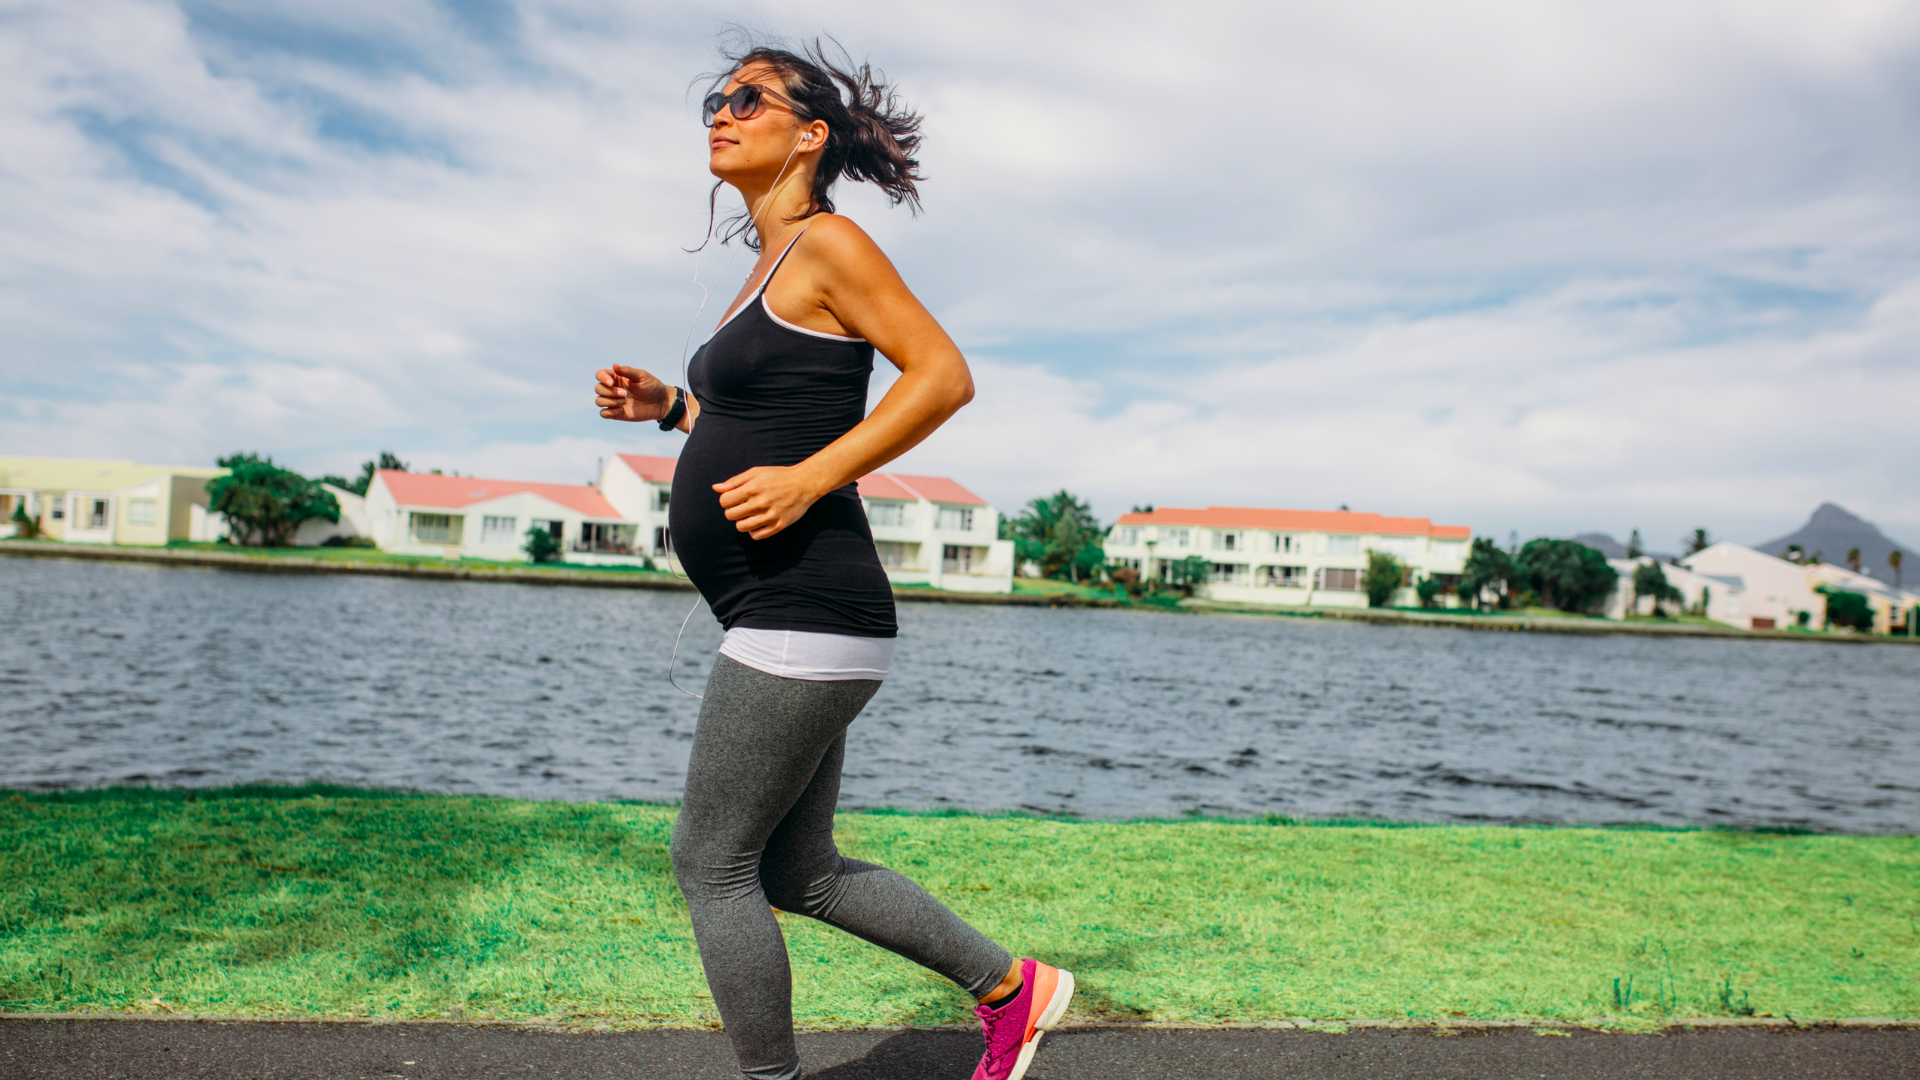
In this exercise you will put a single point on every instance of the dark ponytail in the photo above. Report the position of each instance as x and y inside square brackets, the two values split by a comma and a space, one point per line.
[871, 135]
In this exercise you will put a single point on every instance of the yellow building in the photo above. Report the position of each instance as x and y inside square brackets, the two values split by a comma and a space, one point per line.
[108, 502]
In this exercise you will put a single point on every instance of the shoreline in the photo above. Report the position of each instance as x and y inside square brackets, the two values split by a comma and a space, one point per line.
[562, 575]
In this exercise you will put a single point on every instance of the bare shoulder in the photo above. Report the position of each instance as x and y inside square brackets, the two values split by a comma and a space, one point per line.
[843, 248]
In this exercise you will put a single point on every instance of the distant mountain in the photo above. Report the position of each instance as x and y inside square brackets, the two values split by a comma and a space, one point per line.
[1831, 531]
[1611, 548]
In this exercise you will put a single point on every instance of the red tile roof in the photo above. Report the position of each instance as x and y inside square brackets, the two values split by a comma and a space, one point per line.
[904, 486]
[453, 492]
[1328, 521]
[657, 469]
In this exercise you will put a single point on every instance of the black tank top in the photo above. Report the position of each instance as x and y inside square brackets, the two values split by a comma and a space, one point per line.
[771, 393]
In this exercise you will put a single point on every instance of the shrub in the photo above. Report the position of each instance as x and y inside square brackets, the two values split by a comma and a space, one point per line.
[540, 546]
[1848, 609]
[25, 526]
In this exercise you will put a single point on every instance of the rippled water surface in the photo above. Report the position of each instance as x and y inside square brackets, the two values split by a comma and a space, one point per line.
[117, 674]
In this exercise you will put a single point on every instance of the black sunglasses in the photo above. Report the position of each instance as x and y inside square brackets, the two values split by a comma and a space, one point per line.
[744, 103]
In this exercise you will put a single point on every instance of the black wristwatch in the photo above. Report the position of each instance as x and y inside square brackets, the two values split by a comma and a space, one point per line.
[676, 411]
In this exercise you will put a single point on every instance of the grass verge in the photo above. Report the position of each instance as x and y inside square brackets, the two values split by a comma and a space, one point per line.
[323, 901]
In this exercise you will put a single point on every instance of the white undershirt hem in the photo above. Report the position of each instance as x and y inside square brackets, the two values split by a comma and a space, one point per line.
[804, 654]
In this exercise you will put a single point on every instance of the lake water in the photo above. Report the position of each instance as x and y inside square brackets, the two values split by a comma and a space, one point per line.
[129, 674]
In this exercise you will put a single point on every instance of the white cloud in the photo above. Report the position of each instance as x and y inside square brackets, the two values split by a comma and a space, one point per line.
[1548, 266]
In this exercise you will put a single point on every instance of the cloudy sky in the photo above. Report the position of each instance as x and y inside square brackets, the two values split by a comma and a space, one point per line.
[1524, 266]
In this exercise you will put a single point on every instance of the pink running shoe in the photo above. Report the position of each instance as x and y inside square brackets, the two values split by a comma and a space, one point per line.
[1013, 1030]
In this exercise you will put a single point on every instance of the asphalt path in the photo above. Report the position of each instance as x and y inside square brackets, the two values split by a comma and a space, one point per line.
[33, 1049]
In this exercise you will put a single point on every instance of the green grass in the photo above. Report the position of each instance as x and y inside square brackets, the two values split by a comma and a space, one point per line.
[335, 902]
[1025, 586]
[375, 555]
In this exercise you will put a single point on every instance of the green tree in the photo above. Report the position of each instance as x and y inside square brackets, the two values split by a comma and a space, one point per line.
[1489, 569]
[1794, 553]
[359, 484]
[1635, 548]
[1060, 533]
[1429, 590]
[1696, 541]
[1894, 559]
[540, 546]
[1567, 574]
[1848, 609]
[265, 503]
[1383, 575]
[1853, 559]
[1651, 581]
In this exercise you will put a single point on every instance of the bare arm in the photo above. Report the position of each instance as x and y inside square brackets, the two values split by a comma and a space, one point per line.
[624, 393]
[858, 285]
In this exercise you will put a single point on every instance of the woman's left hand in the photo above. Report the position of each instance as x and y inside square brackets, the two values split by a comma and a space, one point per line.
[766, 499]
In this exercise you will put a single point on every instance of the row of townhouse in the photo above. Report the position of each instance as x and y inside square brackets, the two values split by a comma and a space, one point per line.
[928, 530]
[83, 501]
[1287, 557]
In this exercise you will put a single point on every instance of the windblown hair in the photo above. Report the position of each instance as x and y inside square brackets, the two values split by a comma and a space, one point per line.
[871, 135]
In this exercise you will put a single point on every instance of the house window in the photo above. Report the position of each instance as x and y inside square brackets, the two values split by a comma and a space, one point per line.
[1343, 545]
[96, 513]
[1226, 541]
[893, 555]
[1287, 577]
[886, 512]
[1287, 545]
[143, 511]
[553, 528]
[499, 530]
[956, 519]
[1400, 547]
[60, 509]
[1449, 550]
[435, 529]
[955, 559]
[662, 541]
[1224, 573]
[1126, 537]
[1174, 537]
[660, 497]
[1336, 580]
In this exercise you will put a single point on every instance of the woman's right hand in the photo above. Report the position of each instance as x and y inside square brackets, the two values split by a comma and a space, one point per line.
[624, 393]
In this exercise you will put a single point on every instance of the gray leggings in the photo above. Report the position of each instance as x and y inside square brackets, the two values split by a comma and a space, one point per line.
[756, 828]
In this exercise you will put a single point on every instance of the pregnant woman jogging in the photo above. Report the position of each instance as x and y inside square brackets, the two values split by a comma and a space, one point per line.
[767, 523]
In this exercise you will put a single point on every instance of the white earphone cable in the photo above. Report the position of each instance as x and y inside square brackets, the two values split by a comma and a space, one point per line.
[706, 295]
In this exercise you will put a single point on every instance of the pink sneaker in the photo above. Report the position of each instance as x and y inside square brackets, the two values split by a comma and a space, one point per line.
[1013, 1030]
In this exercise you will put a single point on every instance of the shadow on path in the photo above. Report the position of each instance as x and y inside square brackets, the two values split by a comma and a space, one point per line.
[176, 1050]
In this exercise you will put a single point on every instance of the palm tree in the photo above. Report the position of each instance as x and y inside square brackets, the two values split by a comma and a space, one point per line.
[1894, 559]
[1853, 559]
[1794, 553]
[1697, 541]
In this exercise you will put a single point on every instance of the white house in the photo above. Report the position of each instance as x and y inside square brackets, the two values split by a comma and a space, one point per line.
[931, 531]
[1892, 608]
[1774, 592]
[464, 517]
[353, 522]
[1726, 594]
[640, 487]
[1287, 557]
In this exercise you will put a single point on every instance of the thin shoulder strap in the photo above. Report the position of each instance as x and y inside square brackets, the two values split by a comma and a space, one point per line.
[784, 252]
